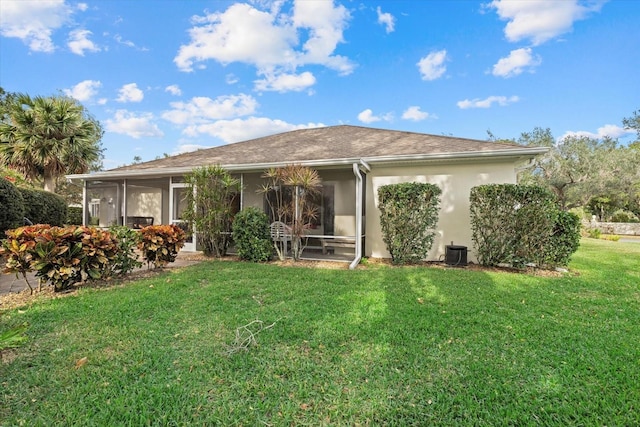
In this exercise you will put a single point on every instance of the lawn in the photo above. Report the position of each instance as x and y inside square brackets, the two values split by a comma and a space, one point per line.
[375, 346]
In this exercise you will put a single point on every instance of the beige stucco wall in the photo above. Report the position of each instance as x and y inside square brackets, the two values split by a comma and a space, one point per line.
[455, 181]
[145, 202]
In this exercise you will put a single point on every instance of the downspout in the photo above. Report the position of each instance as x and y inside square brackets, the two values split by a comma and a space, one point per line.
[358, 257]
[241, 191]
[124, 202]
[85, 213]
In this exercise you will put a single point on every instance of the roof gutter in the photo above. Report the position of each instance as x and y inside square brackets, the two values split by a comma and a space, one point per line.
[409, 158]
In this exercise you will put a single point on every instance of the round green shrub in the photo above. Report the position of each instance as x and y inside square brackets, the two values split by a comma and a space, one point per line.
[408, 216]
[251, 235]
[565, 239]
[34, 205]
[43, 207]
[11, 207]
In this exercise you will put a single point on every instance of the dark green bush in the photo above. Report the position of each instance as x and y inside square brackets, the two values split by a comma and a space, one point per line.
[408, 215]
[11, 207]
[515, 224]
[55, 209]
[251, 235]
[565, 239]
[35, 208]
[126, 258]
[74, 215]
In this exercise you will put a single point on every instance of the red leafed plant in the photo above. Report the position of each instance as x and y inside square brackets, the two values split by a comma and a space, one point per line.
[60, 255]
[19, 248]
[160, 244]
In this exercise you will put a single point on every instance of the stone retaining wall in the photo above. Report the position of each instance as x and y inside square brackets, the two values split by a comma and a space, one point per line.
[620, 228]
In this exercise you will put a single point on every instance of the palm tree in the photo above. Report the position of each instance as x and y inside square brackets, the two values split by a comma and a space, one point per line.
[47, 137]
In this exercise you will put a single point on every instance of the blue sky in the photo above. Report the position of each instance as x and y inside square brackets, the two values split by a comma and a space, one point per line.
[169, 76]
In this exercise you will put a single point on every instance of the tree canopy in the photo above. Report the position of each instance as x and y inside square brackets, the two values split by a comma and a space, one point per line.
[580, 169]
[47, 137]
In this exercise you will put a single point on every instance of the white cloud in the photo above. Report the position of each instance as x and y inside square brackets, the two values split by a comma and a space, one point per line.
[173, 90]
[118, 38]
[271, 40]
[231, 79]
[541, 20]
[34, 22]
[286, 82]
[244, 129]
[136, 126]
[386, 19]
[518, 61]
[79, 42]
[414, 113]
[82, 7]
[432, 66]
[610, 131]
[84, 91]
[367, 116]
[203, 109]
[130, 93]
[487, 102]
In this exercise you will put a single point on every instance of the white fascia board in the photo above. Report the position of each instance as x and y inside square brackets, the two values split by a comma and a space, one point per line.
[465, 155]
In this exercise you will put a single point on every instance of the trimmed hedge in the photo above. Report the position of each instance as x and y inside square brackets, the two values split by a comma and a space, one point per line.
[43, 207]
[521, 224]
[11, 207]
[565, 239]
[252, 236]
[408, 215]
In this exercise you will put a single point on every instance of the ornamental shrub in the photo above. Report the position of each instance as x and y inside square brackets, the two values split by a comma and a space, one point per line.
[11, 207]
[252, 236]
[126, 258]
[408, 215]
[60, 255]
[211, 200]
[160, 244]
[565, 239]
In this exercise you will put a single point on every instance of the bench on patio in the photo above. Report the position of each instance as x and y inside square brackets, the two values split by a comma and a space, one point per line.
[336, 242]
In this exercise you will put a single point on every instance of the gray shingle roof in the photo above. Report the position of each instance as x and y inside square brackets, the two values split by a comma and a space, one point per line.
[324, 144]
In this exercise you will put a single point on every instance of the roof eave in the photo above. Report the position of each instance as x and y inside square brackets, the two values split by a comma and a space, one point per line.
[525, 152]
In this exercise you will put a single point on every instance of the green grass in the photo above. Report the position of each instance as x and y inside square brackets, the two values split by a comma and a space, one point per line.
[381, 346]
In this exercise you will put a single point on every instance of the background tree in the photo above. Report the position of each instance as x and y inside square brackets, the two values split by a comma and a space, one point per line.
[47, 137]
[633, 122]
[577, 167]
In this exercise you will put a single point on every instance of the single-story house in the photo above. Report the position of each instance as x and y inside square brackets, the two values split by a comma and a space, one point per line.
[353, 163]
